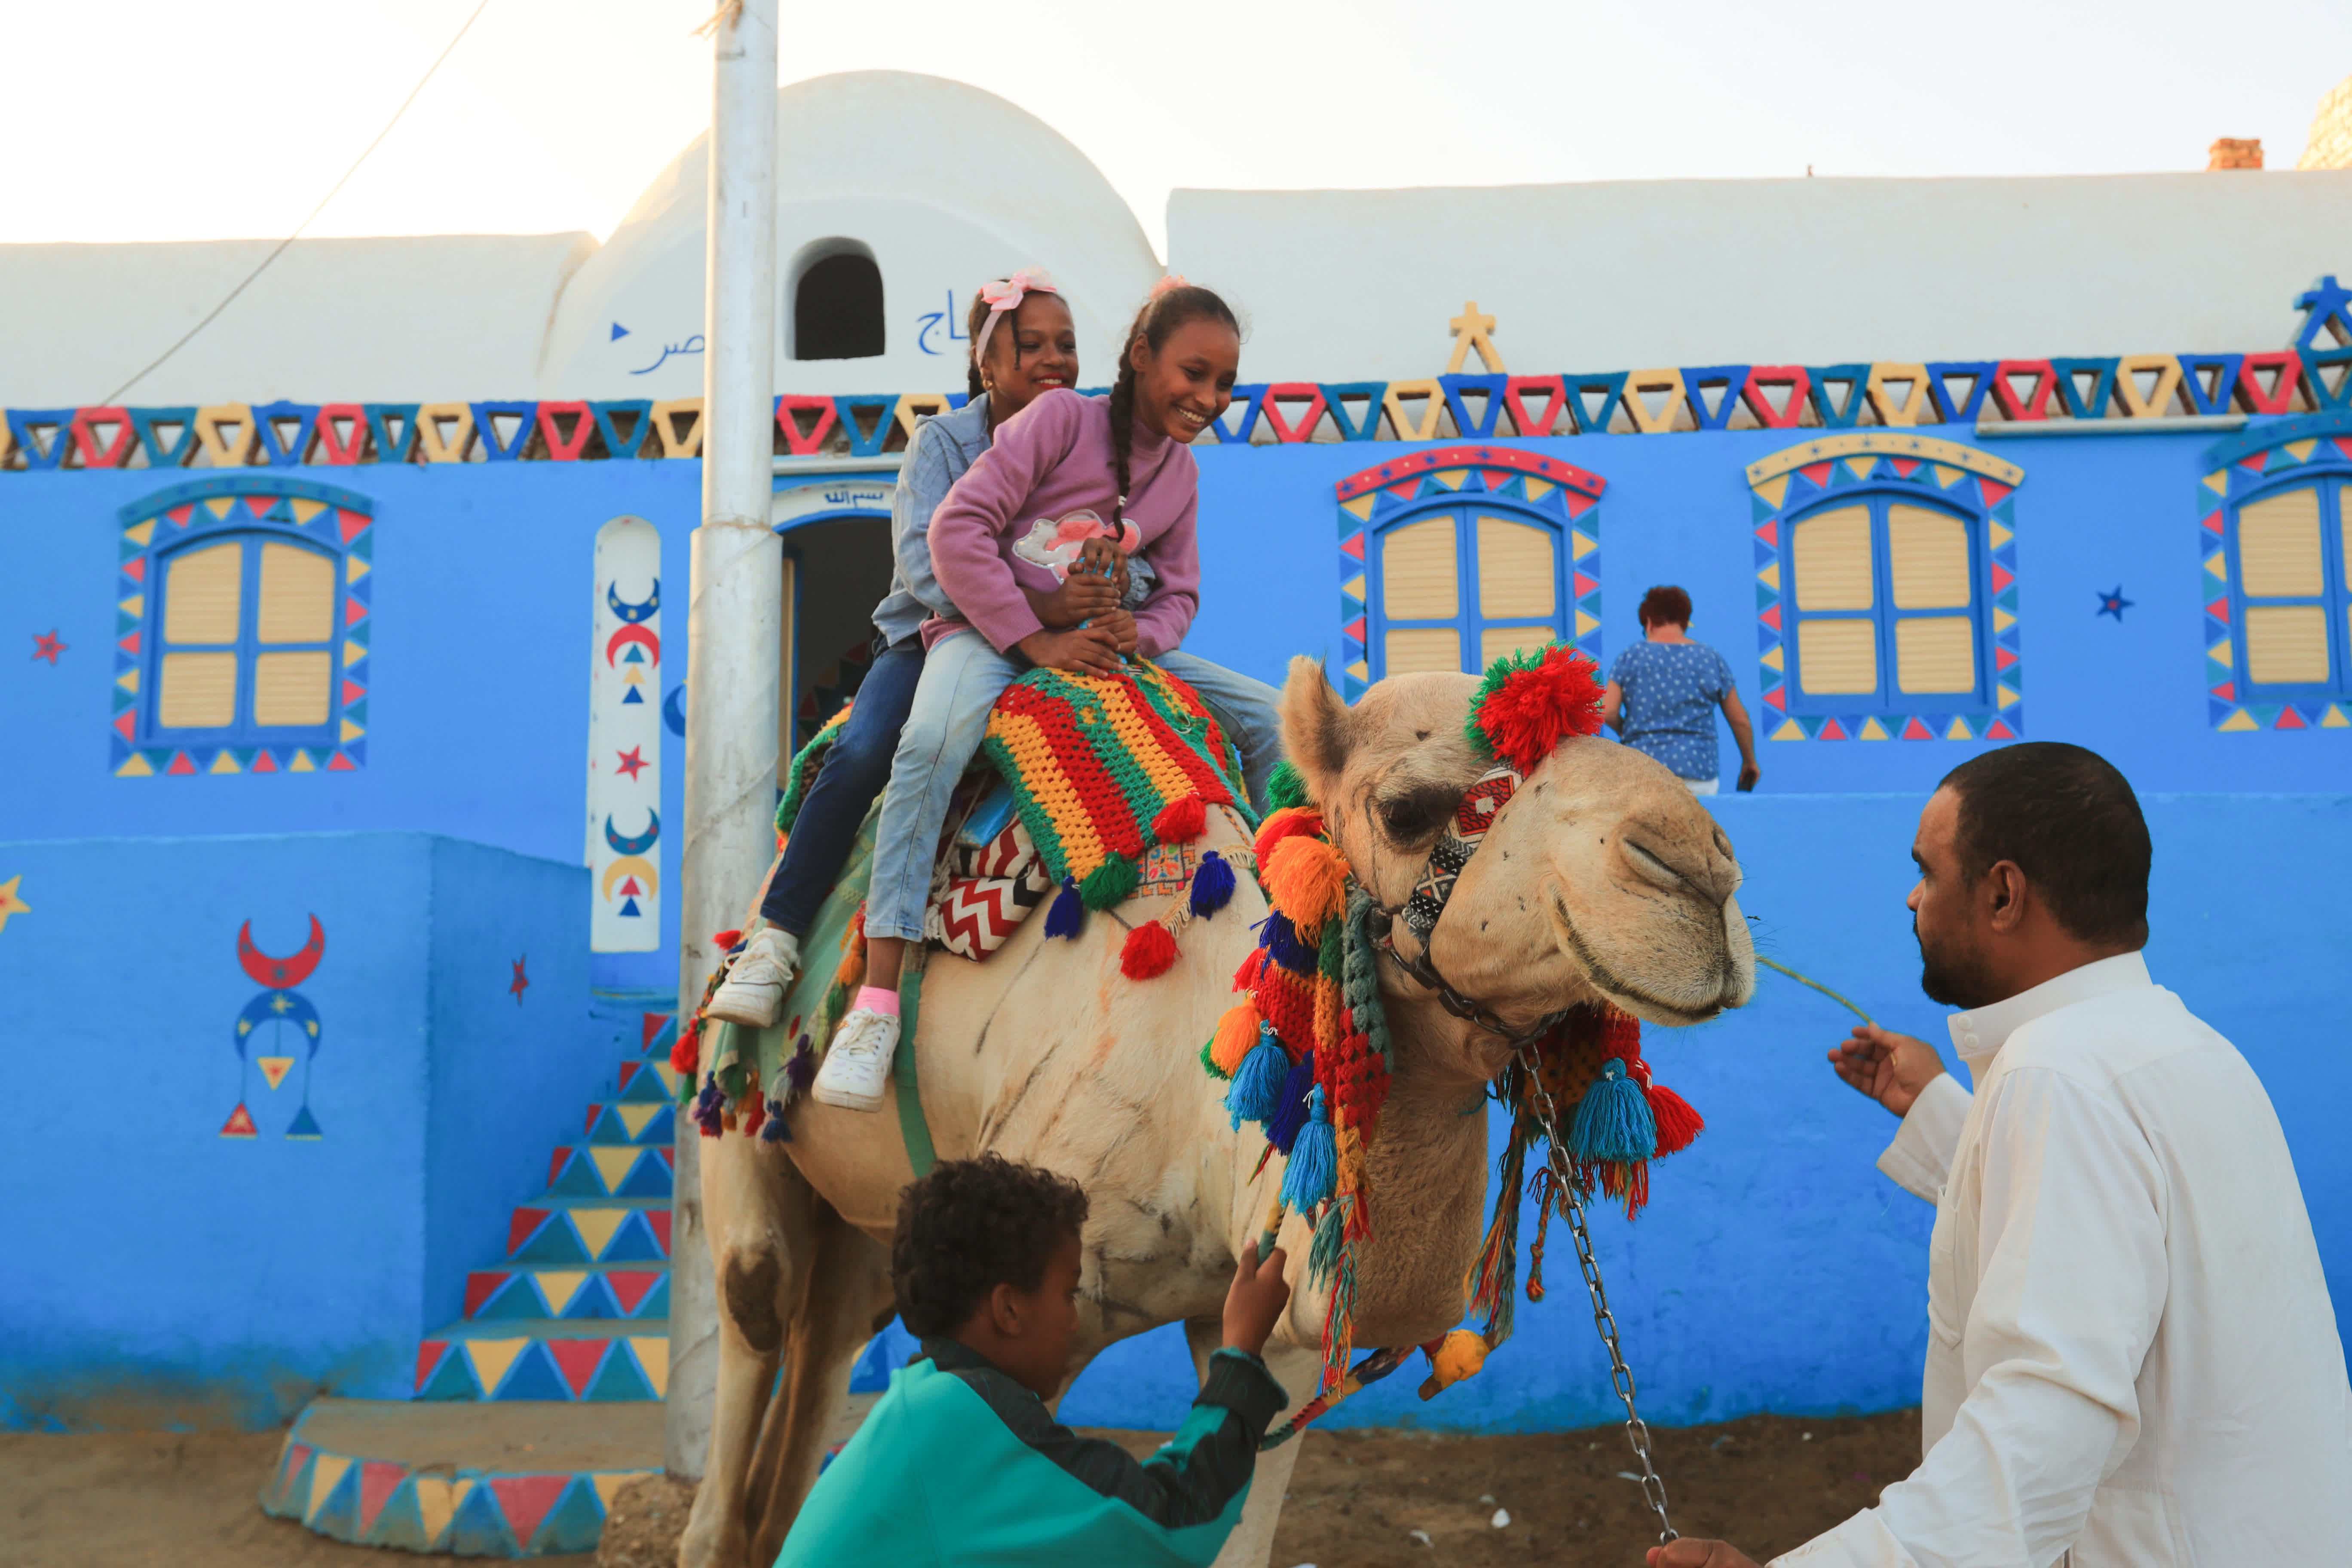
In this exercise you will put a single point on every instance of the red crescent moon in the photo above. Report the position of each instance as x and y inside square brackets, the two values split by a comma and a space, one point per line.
[633, 634]
[280, 973]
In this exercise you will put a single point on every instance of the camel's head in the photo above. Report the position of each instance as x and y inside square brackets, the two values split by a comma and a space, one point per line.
[1601, 877]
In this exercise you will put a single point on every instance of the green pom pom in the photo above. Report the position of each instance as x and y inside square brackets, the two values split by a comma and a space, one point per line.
[1284, 787]
[1109, 884]
[1500, 671]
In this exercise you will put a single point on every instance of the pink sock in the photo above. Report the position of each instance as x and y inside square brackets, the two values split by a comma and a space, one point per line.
[877, 1000]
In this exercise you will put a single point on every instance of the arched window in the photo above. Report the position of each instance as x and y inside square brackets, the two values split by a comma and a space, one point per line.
[2290, 549]
[837, 302]
[1460, 586]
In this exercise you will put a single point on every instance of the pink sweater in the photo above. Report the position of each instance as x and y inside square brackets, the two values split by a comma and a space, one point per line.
[1019, 515]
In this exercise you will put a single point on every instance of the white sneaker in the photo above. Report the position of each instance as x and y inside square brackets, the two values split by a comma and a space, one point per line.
[753, 992]
[857, 1063]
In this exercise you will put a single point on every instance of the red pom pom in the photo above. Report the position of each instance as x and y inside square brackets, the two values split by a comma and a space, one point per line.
[1182, 820]
[755, 1112]
[1290, 819]
[684, 1054]
[1678, 1123]
[1245, 977]
[1529, 708]
[1148, 951]
[726, 939]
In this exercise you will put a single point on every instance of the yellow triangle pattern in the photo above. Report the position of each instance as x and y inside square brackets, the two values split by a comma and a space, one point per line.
[143, 534]
[1958, 731]
[1774, 491]
[637, 1118]
[1362, 506]
[2220, 653]
[353, 653]
[1354, 585]
[1775, 659]
[1580, 545]
[2002, 619]
[559, 1286]
[304, 511]
[613, 1165]
[134, 766]
[2007, 698]
[608, 1484]
[1360, 671]
[1770, 577]
[1584, 624]
[491, 1358]
[1537, 489]
[129, 680]
[437, 1501]
[1997, 533]
[2301, 451]
[301, 763]
[1860, 467]
[1872, 729]
[353, 568]
[1790, 730]
[2334, 719]
[352, 732]
[219, 505]
[653, 1354]
[596, 1227]
[1945, 478]
[324, 1476]
[670, 1077]
[1452, 478]
[2238, 723]
[2218, 483]
[133, 606]
[225, 764]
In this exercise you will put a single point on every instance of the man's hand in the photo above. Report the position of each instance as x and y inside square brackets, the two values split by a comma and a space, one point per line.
[1891, 1068]
[1087, 651]
[1255, 1303]
[1699, 1554]
[1081, 598]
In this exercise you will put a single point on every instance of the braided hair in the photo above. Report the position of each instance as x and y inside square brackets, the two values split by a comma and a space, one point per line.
[974, 320]
[1161, 316]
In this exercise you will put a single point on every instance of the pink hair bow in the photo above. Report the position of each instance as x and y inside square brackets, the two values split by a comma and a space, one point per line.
[1004, 295]
[1169, 285]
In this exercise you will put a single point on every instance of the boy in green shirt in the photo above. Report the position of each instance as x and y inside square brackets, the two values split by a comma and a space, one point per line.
[961, 1465]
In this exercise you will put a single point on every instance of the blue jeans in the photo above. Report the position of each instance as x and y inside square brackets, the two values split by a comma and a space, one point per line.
[963, 677]
[853, 773]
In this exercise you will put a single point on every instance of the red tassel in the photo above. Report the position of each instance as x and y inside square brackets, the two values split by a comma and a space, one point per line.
[1290, 819]
[1678, 1123]
[1148, 951]
[684, 1054]
[755, 1112]
[1182, 820]
[1245, 977]
[726, 939]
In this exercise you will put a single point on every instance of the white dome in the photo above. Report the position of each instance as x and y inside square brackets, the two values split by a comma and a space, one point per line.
[942, 184]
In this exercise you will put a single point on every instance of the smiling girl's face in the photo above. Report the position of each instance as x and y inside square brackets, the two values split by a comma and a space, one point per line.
[1033, 352]
[1189, 380]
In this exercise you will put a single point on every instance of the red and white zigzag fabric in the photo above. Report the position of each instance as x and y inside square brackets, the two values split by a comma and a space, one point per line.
[989, 892]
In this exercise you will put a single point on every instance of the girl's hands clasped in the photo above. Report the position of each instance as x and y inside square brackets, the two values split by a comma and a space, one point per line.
[1080, 651]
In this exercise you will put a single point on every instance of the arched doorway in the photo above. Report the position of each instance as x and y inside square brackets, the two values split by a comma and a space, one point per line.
[837, 533]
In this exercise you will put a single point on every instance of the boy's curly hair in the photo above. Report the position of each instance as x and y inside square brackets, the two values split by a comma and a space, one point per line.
[971, 1226]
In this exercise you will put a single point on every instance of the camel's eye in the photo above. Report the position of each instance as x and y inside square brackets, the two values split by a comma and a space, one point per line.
[1415, 814]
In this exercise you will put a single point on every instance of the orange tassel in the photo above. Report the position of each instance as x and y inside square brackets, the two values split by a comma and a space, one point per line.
[1283, 823]
[1307, 880]
[1236, 1033]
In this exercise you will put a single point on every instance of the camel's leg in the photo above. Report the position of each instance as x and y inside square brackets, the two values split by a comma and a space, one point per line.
[1251, 1545]
[761, 1218]
[847, 1300]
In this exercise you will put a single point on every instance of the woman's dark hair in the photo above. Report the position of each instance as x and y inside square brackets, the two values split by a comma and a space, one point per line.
[1162, 315]
[1665, 605]
[2068, 820]
[971, 1226]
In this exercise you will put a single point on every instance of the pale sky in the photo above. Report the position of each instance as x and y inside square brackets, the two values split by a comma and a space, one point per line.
[152, 120]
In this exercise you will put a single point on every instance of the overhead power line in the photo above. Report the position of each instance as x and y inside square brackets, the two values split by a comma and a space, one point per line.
[280, 249]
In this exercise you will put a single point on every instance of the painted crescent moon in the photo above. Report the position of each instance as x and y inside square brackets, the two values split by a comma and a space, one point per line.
[629, 635]
[280, 973]
[291, 1006]
[632, 614]
[631, 864]
[623, 845]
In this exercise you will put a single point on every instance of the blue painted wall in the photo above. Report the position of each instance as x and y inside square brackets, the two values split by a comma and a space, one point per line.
[1776, 1269]
[160, 1274]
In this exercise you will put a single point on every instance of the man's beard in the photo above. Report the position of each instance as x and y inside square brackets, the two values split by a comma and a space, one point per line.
[1956, 976]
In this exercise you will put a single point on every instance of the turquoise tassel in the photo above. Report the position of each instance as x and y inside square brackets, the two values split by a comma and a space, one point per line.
[1314, 1166]
[1330, 1244]
[1256, 1093]
[1613, 1123]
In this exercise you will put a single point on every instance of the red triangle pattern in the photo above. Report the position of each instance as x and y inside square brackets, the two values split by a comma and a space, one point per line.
[1994, 494]
[350, 524]
[524, 1224]
[631, 1288]
[1817, 472]
[1352, 547]
[526, 1500]
[180, 514]
[1770, 533]
[2000, 731]
[378, 1478]
[428, 1356]
[579, 1359]
[263, 762]
[2289, 719]
[1832, 732]
[480, 1287]
[659, 1220]
[1915, 730]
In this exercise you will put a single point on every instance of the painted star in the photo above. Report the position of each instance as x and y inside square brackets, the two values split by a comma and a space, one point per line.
[2115, 604]
[522, 982]
[10, 904]
[49, 646]
[631, 762]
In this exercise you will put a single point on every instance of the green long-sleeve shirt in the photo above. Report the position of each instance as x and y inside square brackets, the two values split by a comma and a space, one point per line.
[958, 1466]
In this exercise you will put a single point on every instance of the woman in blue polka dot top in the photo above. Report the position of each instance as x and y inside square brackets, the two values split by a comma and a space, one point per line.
[1665, 690]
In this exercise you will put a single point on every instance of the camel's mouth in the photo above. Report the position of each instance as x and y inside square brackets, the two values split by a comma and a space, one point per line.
[1643, 1000]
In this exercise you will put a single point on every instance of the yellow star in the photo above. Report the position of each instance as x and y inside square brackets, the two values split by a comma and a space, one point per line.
[10, 904]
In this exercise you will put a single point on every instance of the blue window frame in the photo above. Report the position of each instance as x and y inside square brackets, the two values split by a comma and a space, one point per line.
[1453, 587]
[246, 642]
[2290, 597]
[1887, 605]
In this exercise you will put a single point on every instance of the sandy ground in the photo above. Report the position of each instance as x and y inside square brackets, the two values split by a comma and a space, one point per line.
[1356, 1500]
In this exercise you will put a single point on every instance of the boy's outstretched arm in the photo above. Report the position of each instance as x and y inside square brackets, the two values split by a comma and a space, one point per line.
[1196, 1474]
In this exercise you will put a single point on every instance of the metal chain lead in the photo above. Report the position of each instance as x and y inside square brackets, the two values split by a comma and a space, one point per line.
[1637, 1431]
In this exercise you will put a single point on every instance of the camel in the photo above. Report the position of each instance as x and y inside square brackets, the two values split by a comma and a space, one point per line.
[1601, 877]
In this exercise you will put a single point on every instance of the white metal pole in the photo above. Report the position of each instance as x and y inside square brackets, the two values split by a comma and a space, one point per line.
[732, 628]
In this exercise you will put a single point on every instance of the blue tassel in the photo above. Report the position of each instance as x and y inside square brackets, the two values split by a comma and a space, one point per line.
[1213, 884]
[1612, 1120]
[772, 1130]
[1069, 916]
[1314, 1166]
[709, 1107]
[1290, 1114]
[1280, 939]
[1257, 1091]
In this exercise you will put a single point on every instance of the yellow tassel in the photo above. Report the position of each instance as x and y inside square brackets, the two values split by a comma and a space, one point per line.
[1307, 881]
[1236, 1033]
[1461, 1354]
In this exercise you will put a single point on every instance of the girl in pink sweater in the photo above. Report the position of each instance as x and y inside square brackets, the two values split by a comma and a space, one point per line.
[1065, 470]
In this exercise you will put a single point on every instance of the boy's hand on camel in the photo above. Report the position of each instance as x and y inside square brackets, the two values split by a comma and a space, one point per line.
[1891, 1068]
[1255, 1303]
[1087, 650]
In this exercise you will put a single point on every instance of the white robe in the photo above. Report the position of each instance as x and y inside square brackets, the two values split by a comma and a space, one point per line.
[2131, 1353]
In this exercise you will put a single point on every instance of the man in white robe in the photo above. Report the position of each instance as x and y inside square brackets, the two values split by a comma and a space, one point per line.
[2132, 1358]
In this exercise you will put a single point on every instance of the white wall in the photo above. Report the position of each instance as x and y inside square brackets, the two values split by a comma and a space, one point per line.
[1342, 285]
